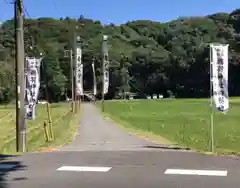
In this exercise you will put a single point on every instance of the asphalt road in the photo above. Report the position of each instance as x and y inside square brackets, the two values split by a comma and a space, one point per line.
[117, 160]
[129, 169]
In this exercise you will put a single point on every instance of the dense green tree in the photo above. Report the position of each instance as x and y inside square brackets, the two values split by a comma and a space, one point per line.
[53, 80]
[7, 80]
[146, 57]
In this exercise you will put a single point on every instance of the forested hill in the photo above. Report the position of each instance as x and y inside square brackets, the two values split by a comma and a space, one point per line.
[146, 57]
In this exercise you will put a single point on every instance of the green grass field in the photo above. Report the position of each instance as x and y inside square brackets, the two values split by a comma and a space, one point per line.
[182, 122]
[64, 127]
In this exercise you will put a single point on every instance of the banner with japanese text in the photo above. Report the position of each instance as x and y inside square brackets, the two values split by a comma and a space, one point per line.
[105, 65]
[32, 78]
[79, 72]
[220, 76]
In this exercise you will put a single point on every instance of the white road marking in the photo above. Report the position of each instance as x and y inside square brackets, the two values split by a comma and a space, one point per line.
[84, 169]
[7, 166]
[196, 172]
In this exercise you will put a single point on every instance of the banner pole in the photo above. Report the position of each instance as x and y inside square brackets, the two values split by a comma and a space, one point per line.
[103, 87]
[211, 101]
[212, 128]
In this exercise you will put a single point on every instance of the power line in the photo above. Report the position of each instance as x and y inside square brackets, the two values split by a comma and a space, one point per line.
[28, 30]
[25, 10]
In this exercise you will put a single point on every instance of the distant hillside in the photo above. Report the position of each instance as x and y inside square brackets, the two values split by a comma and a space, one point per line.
[161, 57]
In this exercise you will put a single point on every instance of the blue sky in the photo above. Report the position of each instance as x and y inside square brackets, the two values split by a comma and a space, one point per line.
[120, 11]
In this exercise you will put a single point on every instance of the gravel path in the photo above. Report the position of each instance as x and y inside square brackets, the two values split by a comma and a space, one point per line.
[97, 133]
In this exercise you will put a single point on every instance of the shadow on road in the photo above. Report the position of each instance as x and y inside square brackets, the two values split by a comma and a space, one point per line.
[8, 164]
[167, 147]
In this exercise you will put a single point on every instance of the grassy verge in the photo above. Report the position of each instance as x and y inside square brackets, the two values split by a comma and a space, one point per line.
[185, 122]
[148, 135]
[64, 127]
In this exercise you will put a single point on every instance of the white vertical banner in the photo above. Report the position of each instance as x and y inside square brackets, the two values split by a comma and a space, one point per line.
[32, 78]
[220, 76]
[79, 72]
[105, 64]
[94, 80]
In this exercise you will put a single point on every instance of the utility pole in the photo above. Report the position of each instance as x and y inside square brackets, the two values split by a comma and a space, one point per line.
[126, 88]
[72, 78]
[125, 78]
[71, 74]
[20, 78]
[74, 70]
[122, 75]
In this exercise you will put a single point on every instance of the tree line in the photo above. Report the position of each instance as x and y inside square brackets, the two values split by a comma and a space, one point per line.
[146, 57]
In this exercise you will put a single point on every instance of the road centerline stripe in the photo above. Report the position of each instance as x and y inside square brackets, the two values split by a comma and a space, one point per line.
[195, 172]
[84, 169]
